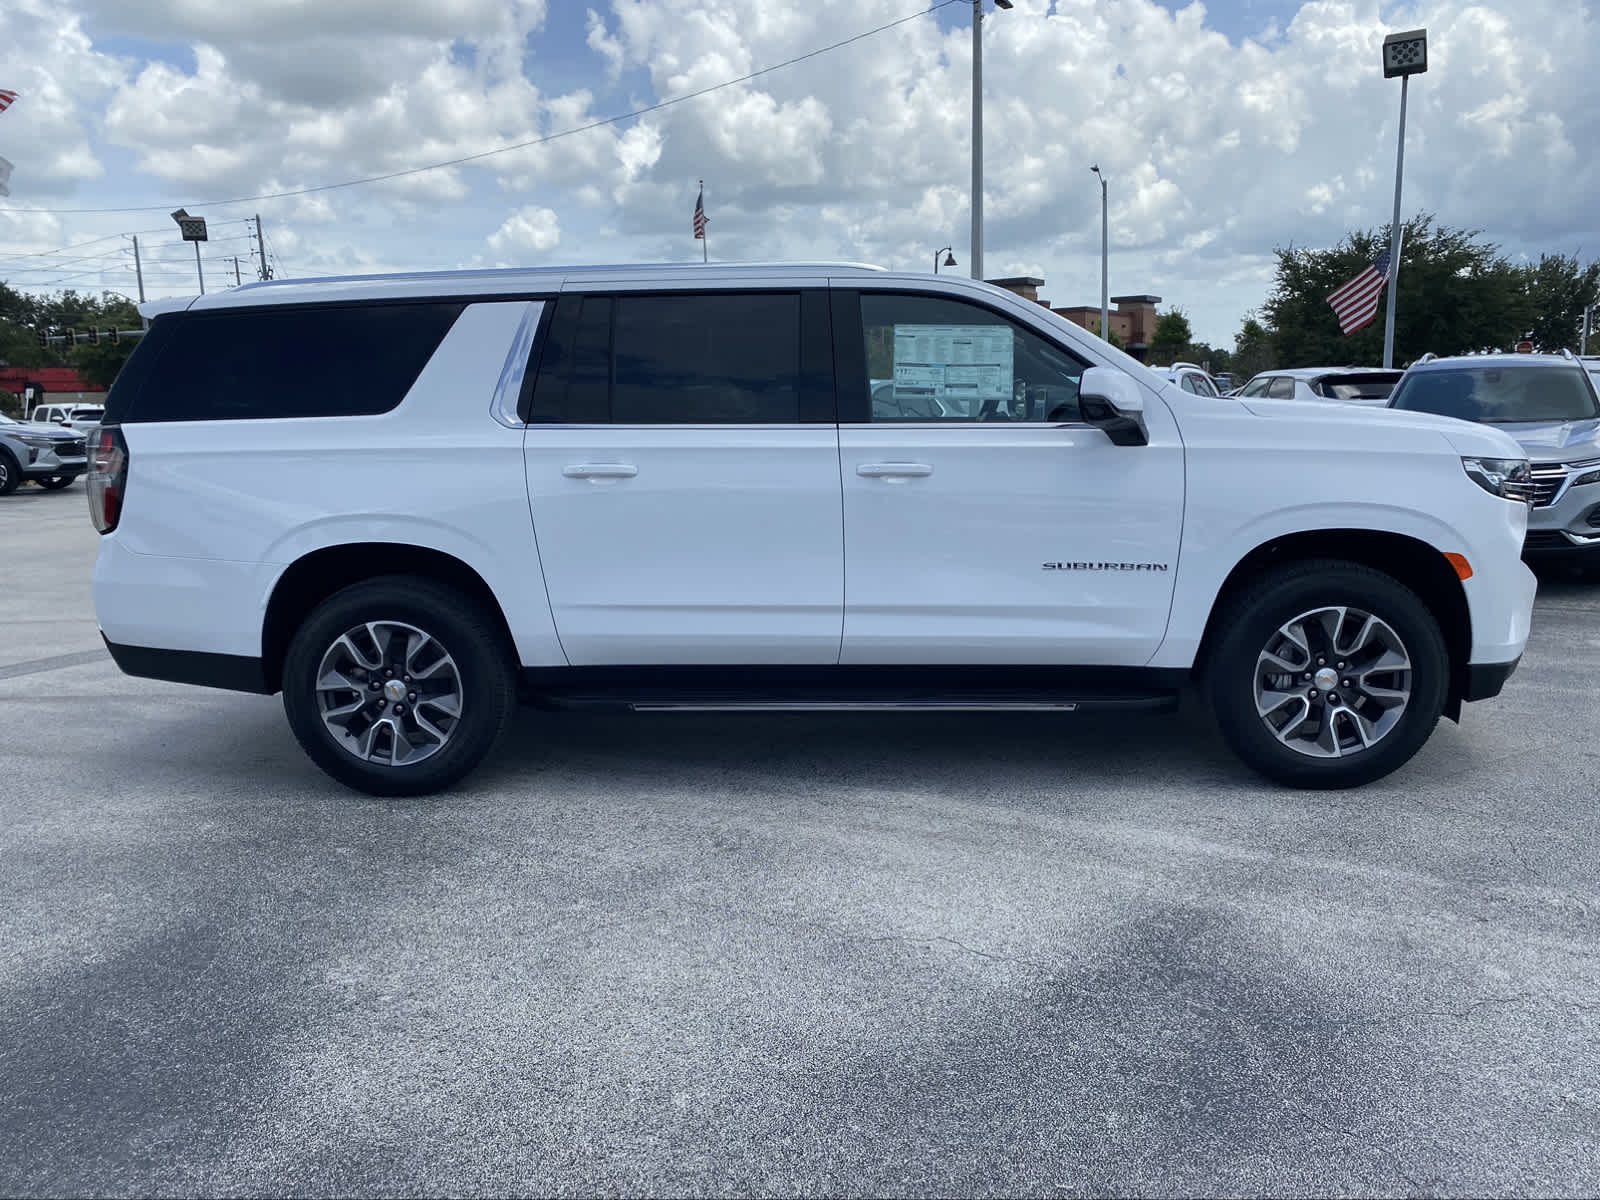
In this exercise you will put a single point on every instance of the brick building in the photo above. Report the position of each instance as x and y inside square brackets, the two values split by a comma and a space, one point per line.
[1133, 318]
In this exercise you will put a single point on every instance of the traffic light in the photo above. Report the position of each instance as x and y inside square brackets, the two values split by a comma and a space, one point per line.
[44, 337]
[70, 338]
[116, 336]
[94, 335]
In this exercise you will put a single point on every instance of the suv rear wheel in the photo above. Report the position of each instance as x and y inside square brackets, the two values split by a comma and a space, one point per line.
[1329, 675]
[10, 473]
[398, 686]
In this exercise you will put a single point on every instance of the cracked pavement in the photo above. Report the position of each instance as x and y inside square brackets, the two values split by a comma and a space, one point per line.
[699, 955]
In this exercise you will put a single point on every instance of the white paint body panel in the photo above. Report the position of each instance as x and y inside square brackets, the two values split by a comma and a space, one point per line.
[722, 546]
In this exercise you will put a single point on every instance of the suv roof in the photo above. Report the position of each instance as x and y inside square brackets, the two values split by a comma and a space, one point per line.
[490, 282]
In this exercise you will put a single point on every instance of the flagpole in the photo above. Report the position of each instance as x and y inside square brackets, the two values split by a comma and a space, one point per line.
[1394, 231]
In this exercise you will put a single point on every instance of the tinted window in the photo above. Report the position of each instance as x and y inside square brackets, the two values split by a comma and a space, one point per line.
[1498, 395]
[1281, 388]
[322, 361]
[932, 359]
[706, 360]
[1356, 387]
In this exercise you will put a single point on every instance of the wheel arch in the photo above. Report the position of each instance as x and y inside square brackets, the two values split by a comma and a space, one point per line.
[1416, 564]
[315, 576]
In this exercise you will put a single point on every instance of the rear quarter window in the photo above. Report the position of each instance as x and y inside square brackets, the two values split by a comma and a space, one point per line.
[249, 363]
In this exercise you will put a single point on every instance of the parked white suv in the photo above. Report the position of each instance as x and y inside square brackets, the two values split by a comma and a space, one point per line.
[406, 500]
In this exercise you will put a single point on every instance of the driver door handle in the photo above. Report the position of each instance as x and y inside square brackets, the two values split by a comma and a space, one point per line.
[600, 471]
[894, 470]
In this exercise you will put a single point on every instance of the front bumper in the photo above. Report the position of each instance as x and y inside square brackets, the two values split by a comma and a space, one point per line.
[49, 465]
[1486, 679]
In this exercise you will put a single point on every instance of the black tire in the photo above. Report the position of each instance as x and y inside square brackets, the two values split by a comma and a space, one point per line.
[1257, 613]
[54, 483]
[483, 662]
[10, 474]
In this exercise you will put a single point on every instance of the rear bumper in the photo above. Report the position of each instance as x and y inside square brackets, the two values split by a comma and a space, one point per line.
[1486, 679]
[234, 672]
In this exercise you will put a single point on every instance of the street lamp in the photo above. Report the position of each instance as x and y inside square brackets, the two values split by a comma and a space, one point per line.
[1105, 259]
[193, 229]
[949, 258]
[977, 133]
[1405, 55]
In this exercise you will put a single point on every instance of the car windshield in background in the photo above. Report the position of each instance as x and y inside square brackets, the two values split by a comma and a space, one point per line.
[1357, 387]
[1499, 395]
[87, 414]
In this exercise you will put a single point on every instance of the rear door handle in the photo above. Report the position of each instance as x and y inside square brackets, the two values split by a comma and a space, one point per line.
[600, 471]
[894, 470]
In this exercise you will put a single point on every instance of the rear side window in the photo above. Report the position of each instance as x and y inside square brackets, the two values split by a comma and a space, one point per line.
[242, 364]
[694, 359]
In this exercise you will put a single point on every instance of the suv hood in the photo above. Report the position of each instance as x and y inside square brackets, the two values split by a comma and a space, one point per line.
[1468, 438]
[1557, 441]
[43, 428]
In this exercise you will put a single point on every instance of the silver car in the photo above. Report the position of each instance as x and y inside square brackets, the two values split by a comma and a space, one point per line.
[1551, 405]
[49, 455]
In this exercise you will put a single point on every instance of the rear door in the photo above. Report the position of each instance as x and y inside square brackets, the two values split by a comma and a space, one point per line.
[985, 522]
[683, 475]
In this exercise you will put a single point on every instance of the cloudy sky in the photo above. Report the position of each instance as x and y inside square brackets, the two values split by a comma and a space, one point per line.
[1225, 129]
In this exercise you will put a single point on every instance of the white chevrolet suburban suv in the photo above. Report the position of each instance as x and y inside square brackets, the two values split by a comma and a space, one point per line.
[409, 501]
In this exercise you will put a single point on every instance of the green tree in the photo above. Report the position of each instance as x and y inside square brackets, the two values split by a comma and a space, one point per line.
[1252, 350]
[1557, 291]
[1115, 339]
[1172, 338]
[1218, 358]
[1456, 293]
[22, 316]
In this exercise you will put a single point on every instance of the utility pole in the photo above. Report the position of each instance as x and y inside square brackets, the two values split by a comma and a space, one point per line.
[1588, 326]
[236, 280]
[261, 245]
[138, 272]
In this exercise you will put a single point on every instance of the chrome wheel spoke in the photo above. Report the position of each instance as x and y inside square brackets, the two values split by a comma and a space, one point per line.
[372, 685]
[1332, 681]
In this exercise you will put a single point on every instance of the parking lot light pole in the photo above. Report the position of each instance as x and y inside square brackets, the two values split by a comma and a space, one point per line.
[1105, 260]
[193, 229]
[977, 133]
[1405, 55]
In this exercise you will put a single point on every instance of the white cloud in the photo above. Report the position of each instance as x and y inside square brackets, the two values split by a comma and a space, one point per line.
[532, 228]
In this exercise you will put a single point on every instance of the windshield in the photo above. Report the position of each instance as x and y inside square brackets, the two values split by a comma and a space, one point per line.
[87, 414]
[5, 420]
[1499, 395]
[1357, 387]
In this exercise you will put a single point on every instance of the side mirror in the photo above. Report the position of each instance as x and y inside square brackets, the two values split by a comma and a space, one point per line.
[1114, 402]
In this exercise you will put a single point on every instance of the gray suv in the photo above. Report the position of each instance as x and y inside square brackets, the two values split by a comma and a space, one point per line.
[47, 454]
[1549, 403]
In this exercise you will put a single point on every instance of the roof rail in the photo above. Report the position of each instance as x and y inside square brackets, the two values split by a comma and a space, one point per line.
[1427, 357]
[1568, 354]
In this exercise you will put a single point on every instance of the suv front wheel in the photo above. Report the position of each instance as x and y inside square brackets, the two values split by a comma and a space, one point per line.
[398, 686]
[1329, 675]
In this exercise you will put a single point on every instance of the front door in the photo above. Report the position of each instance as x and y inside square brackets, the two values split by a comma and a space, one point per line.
[984, 522]
[683, 477]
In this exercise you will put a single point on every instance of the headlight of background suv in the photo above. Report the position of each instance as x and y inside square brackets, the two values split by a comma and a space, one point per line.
[1508, 478]
[36, 441]
[1586, 478]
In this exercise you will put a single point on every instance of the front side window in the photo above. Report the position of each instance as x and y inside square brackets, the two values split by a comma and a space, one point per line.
[1281, 388]
[1499, 395]
[1256, 387]
[933, 359]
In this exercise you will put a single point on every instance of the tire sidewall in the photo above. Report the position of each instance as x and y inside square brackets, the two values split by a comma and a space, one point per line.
[487, 682]
[10, 473]
[1231, 675]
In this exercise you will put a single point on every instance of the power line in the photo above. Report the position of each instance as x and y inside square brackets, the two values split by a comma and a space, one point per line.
[538, 141]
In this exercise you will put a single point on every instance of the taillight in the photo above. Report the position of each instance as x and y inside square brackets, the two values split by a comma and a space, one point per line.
[108, 478]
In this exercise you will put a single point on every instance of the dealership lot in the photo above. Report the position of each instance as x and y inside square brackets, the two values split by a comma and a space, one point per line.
[702, 954]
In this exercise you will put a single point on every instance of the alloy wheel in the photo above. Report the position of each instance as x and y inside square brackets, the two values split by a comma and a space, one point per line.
[389, 693]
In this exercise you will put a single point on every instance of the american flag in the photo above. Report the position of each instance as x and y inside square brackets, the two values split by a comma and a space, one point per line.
[7, 98]
[700, 214]
[1356, 303]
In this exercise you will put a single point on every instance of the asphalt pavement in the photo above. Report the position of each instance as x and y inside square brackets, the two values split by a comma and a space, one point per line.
[694, 954]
